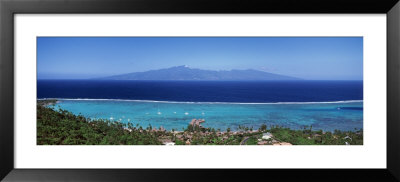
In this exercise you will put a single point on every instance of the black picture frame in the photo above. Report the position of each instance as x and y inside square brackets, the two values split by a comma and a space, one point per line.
[8, 8]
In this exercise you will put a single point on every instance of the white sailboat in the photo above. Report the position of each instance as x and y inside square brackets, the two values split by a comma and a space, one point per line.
[158, 112]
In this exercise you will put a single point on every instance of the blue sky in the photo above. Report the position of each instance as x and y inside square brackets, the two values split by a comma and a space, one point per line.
[314, 58]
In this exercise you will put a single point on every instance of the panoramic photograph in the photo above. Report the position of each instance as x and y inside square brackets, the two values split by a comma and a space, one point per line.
[276, 91]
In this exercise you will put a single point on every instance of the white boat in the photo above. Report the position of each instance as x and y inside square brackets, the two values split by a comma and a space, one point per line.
[158, 111]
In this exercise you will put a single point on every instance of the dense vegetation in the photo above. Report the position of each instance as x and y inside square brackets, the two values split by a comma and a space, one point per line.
[64, 128]
[60, 127]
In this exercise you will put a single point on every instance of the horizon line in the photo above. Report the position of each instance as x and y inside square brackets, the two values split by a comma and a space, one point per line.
[98, 79]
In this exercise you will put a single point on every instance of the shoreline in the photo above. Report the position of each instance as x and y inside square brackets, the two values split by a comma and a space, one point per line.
[100, 132]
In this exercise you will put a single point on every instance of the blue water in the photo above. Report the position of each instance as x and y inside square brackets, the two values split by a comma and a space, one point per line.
[326, 105]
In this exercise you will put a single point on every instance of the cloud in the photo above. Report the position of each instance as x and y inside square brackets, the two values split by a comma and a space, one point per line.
[263, 68]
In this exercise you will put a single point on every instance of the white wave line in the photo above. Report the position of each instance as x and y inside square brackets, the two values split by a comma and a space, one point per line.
[177, 102]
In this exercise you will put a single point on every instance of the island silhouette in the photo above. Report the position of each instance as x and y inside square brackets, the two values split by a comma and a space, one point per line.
[186, 73]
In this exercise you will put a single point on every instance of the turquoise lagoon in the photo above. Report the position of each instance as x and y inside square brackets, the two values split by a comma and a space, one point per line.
[328, 116]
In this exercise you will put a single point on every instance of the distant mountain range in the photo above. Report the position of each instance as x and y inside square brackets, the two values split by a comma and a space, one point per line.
[186, 73]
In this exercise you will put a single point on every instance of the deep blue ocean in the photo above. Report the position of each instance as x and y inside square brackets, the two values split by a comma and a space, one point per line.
[326, 105]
